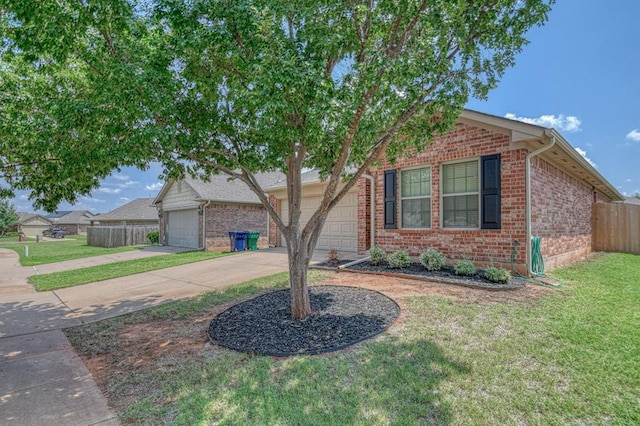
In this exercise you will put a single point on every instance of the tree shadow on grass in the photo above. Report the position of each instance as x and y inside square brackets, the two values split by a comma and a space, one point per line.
[385, 381]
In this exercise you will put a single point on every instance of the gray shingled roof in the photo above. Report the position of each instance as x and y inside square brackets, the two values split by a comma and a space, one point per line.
[25, 216]
[138, 209]
[72, 217]
[632, 200]
[221, 189]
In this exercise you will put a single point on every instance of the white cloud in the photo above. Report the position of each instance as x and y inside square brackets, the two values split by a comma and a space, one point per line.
[109, 190]
[628, 180]
[634, 135]
[129, 184]
[567, 123]
[92, 200]
[120, 176]
[584, 155]
[24, 197]
[125, 199]
[154, 186]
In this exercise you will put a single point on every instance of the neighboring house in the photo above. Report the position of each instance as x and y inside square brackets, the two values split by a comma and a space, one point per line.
[72, 221]
[199, 214]
[32, 224]
[481, 192]
[632, 200]
[139, 212]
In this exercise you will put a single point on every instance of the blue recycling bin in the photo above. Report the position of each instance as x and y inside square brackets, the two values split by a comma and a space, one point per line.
[241, 240]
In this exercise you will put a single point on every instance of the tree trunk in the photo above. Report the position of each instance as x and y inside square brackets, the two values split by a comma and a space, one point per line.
[298, 267]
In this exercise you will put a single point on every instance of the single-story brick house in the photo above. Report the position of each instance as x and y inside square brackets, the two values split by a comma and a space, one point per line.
[32, 224]
[481, 192]
[138, 212]
[72, 221]
[199, 214]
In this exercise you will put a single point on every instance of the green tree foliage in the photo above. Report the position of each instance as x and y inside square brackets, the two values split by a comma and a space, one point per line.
[8, 216]
[242, 86]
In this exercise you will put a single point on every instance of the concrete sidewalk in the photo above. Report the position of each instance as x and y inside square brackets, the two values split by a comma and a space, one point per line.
[42, 379]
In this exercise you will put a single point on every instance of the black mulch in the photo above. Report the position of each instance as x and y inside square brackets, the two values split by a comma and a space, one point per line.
[342, 317]
[446, 275]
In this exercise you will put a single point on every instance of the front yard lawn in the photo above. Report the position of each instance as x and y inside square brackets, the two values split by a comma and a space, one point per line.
[68, 248]
[457, 356]
[53, 281]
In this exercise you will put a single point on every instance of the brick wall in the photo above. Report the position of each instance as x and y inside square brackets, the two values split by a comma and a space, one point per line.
[222, 218]
[483, 246]
[560, 213]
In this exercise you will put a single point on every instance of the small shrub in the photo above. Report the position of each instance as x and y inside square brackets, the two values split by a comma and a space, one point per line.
[432, 259]
[333, 257]
[465, 267]
[378, 255]
[398, 259]
[154, 237]
[497, 275]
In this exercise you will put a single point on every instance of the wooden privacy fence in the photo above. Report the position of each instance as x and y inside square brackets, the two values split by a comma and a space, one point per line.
[118, 236]
[616, 228]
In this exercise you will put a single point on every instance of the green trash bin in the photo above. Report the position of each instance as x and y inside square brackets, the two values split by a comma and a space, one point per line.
[252, 240]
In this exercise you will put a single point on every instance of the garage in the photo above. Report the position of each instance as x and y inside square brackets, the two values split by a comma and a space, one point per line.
[341, 228]
[182, 228]
[33, 230]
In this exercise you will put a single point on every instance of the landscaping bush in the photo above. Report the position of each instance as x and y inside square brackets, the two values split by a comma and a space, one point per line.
[432, 259]
[497, 275]
[378, 255]
[333, 257]
[154, 237]
[465, 267]
[399, 259]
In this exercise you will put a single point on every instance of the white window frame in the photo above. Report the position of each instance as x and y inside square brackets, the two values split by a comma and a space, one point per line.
[460, 194]
[400, 198]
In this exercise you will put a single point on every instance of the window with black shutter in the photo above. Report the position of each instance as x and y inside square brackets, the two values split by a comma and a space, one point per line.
[490, 191]
[390, 199]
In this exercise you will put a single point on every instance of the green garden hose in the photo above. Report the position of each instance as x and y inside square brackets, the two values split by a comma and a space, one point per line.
[537, 255]
[537, 263]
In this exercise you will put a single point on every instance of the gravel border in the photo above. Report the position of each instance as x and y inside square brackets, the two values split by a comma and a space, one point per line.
[417, 271]
[342, 316]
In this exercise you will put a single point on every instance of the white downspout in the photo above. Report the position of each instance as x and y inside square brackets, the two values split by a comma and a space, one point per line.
[538, 151]
[204, 225]
[372, 207]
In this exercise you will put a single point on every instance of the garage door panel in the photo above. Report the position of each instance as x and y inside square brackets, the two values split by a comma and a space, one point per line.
[182, 229]
[341, 227]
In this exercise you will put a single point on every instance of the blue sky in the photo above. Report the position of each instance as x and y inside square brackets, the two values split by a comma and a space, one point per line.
[580, 74]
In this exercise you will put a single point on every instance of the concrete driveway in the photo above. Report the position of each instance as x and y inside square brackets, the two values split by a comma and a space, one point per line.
[43, 381]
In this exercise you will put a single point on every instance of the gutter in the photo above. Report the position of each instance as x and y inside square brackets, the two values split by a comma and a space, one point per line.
[551, 136]
[204, 224]
[372, 207]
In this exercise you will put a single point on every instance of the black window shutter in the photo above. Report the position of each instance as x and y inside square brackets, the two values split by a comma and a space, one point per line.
[390, 199]
[490, 191]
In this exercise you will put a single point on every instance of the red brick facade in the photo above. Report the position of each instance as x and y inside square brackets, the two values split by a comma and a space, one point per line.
[560, 213]
[481, 245]
[222, 218]
[561, 204]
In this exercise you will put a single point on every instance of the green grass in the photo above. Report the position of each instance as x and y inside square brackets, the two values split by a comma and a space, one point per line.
[570, 357]
[71, 247]
[53, 281]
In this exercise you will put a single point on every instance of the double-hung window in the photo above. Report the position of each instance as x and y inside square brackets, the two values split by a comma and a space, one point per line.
[415, 198]
[461, 195]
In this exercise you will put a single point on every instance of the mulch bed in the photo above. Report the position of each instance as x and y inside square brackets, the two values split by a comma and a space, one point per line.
[342, 317]
[446, 275]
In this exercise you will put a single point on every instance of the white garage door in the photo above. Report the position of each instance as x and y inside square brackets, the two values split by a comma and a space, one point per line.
[33, 230]
[341, 228]
[182, 229]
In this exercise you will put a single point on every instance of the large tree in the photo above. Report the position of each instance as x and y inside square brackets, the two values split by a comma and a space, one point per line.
[8, 216]
[244, 86]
